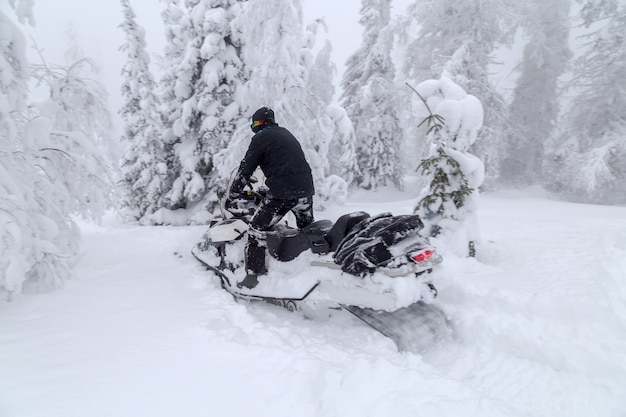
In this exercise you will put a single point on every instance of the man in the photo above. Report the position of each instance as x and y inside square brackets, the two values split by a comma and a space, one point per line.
[288, 177]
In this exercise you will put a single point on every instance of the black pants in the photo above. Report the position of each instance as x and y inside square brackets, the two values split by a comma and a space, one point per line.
[269, 213]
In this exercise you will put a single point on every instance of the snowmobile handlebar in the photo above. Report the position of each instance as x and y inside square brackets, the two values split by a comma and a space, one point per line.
[243, 205]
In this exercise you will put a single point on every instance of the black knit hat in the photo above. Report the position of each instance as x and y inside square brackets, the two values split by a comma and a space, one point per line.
[261, 117]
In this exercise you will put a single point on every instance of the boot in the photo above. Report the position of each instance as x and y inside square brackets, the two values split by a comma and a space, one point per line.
[250, 281]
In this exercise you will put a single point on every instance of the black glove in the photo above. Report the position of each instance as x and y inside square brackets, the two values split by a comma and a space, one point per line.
[231, 202]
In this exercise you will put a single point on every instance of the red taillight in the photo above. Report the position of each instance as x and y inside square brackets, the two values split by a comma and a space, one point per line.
[422, 256]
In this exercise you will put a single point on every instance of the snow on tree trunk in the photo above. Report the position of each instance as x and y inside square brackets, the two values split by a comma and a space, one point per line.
[448, 205]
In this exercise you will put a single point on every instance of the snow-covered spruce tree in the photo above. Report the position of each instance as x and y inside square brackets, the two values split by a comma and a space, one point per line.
[448, 204]
[73, 50]
[278, 57]
[176, 25]
[588, 162]
[534, 109]
[48, 168]
[143, 164]
[460, 37]
[341, 152]
[70, 131]
[204, 84]
[80, 136]
[369, 96]
[322, 72]
[18, 229]
[333, 137]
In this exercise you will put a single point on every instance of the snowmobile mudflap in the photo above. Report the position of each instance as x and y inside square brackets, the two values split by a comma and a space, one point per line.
[417, 328]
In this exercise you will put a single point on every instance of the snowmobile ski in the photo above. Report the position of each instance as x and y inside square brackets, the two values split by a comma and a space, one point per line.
[230, 288]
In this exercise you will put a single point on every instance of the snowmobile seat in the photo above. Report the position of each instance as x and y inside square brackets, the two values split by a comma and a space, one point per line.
[342, 227]
[286, 243]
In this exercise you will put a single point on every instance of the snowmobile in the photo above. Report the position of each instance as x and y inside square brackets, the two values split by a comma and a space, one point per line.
[377, 268]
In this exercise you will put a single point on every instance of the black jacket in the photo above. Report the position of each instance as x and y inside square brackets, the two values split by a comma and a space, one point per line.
[280, 156]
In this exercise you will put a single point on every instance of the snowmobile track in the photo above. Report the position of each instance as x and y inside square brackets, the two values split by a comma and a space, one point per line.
[416, 328]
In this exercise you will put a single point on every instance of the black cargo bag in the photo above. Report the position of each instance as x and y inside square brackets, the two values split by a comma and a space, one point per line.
[366, 247]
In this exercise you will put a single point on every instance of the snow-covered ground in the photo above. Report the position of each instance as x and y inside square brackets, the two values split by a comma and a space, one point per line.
[145, 331]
